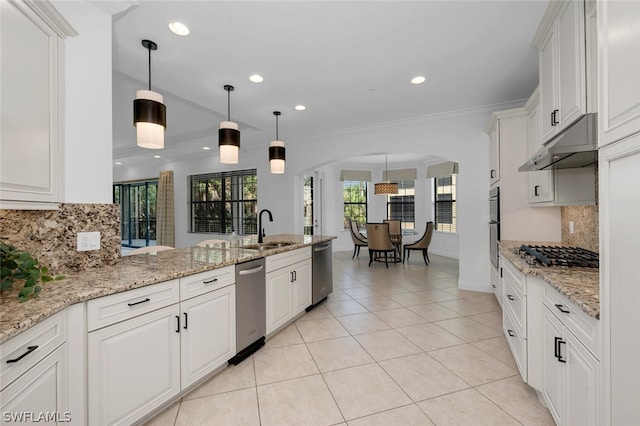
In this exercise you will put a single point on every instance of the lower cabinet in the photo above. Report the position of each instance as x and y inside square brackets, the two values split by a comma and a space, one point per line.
[133, 367]
[208, 333]
[288, 293]
[571, 376]
[496, 282]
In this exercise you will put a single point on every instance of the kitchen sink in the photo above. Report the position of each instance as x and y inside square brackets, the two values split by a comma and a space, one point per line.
[268, 246]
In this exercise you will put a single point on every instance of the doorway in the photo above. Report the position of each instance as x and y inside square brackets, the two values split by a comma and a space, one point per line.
[138, 212]
[312, 204]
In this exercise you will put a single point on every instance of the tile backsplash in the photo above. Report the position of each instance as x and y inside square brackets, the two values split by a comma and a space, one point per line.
[50, 235]
[585, 226]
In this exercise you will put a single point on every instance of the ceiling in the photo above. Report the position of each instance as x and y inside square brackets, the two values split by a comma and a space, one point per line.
[349, 62]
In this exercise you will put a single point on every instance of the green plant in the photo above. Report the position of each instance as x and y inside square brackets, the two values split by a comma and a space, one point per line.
[18, 265]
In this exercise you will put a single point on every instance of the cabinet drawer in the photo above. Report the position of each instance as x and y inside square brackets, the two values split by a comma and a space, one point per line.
[513, 275]
[28, 348]
[128, 304]
[516, 303]
[195, 285]
[583, 326]
[517, 343]
[281, 260]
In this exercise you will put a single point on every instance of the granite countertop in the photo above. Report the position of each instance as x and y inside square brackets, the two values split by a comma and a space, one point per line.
[579, 285]
[132, 272]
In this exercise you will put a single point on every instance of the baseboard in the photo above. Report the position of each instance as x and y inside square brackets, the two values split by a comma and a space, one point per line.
[452, 255]
[482, 286]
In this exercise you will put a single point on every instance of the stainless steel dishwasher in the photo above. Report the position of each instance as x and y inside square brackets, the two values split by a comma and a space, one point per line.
[322, 273]
[251, 322]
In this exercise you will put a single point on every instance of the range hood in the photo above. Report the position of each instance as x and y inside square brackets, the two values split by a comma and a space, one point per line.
[576, 146]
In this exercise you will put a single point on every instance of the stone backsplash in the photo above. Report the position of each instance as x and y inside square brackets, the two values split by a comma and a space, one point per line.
[585, 226]
[50, 235]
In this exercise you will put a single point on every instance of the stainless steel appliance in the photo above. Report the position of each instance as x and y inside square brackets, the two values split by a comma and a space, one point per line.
[576, 146]
[322, 273]
[494, 225]
[251, 316]
[558, 256]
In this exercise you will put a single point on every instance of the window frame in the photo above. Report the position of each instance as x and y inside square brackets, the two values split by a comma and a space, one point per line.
[345, 204]
[408, 227]
[453, 226]
[230, 207]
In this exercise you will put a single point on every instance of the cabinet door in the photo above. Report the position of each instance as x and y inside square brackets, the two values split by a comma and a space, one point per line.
[29, 104]
[301, 287]
[494, 154]
[548, 86]
[582, 385]
[553, 389]
[208, 333]
[620, 292]
[618, 70]
[541, 186]
[571, 62]
[133, 367]
[43, 389]
[278, 293]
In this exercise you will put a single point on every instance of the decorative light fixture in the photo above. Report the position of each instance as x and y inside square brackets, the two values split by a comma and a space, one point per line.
[229, 135]
[276, 151]
[385, 187]
[149, 113]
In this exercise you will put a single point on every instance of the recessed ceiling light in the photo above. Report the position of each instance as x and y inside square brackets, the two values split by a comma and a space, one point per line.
[256, 78]
[156, 156]
[299, 107]
[118, 163]
[179, 28]
[418, 80]
[206, 148]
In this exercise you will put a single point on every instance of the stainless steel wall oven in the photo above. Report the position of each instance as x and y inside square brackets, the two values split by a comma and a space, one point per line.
[494, 224]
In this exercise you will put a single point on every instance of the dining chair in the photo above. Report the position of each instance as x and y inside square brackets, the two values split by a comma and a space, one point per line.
[149, 249]
[422, 244]
[378, 241]
[358, 239]
[395, 233]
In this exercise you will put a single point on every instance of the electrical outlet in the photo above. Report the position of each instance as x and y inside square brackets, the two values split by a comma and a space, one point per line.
[571, 227]
[88, 241]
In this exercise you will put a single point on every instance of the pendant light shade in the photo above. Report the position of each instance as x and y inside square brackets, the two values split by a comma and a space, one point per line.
[277, 151]
[149, 112]
[385, 187]
[229, 135]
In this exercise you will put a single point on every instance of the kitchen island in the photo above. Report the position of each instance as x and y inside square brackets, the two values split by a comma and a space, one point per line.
[134, 272]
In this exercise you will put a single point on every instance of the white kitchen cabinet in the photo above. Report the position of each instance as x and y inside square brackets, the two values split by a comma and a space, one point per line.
[496, 281]
[571, 374]
[34, 371]
[207, 334]
[494, 154]
[619, 291]
[288, 287]
[540, 182]
[562, 59]
[32, 56]
[133, 366]
[618, 70]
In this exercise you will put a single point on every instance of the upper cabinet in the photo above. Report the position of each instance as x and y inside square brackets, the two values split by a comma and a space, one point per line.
[494, 153]
[561, 42]
[618, 68]
[540, 182]
[31, 101]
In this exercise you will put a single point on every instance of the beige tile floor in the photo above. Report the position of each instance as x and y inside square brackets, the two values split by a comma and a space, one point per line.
[397, 346]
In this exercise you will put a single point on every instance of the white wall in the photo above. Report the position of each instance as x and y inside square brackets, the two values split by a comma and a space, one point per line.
[88, 94]
[459, 137]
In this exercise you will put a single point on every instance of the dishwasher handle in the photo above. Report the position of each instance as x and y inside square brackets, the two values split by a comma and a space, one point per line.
[251, 271]
[323, 248]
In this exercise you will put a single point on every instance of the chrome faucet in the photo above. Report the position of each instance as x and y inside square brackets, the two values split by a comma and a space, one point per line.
[260, 228]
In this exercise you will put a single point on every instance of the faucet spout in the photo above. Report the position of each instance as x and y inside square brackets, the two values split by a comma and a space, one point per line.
[260, 228]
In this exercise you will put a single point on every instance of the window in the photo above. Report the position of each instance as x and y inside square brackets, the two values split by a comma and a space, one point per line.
[401, 206]
[226, 201]
[355, 202]
[137, 212]
[445, 203]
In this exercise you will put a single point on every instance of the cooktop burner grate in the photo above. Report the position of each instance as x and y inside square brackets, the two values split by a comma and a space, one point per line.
[558, 256]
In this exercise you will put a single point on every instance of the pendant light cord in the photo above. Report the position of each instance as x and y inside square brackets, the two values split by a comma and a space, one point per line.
[228, 105]
[277, 128]
[149, 49]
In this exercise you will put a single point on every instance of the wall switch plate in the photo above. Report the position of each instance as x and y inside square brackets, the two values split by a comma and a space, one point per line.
[571, 227]
[88, 241]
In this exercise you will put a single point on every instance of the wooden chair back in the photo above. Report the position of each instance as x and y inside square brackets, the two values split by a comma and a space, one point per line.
[378, 237]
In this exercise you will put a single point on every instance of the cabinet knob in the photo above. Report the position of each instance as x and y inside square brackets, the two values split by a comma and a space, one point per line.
[536, 190]
[493, 174]
[554, 117]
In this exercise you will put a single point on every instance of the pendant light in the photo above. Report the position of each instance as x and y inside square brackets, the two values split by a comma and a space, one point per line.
[229, 135]
[276, 151]
[385, 187]
[149, 113]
